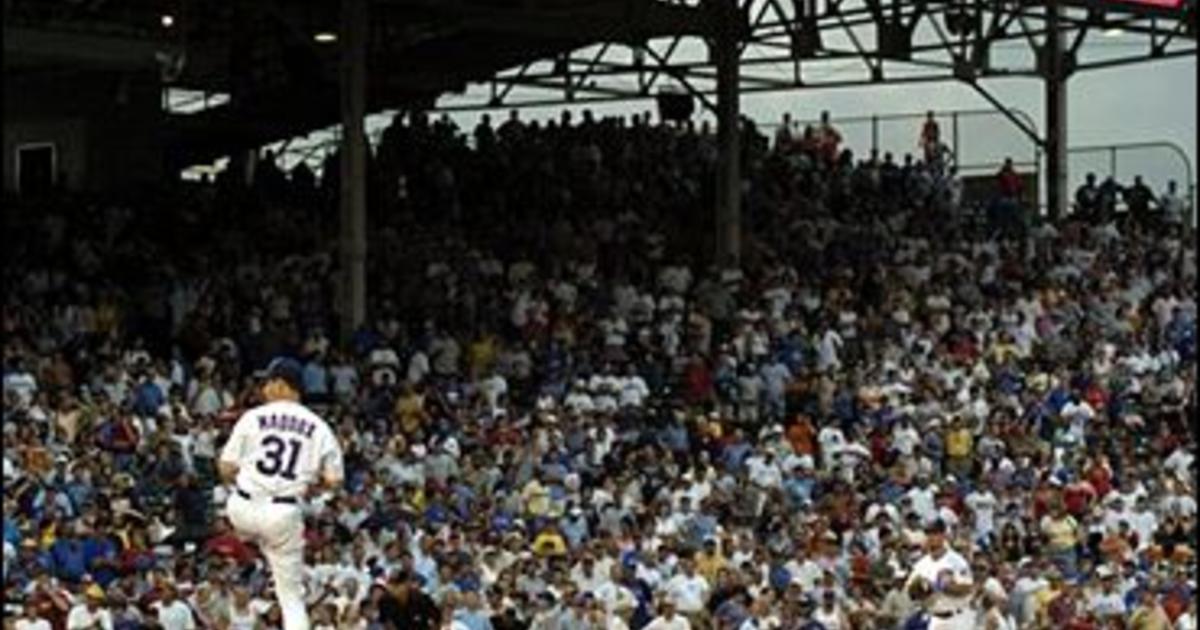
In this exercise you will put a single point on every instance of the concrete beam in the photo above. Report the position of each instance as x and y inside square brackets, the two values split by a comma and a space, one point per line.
[40, 46]
[353, 208]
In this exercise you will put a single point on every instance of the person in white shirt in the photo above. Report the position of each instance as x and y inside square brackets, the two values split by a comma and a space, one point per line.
[905, 437]
[633, 389]
[831, 439]
[946, 576]
[418, 367]
[668, 619]
[174, 613]
[1108, 602]
[21, 382]
[90, 614]
[1174, 207]
[613, 596]
[688, 590]
[983, 503]
[29, 620]
[924, 500]
[1144, 522]
[764, 471]
[828, 347]
[494, 388]
[830, 612]
[1187, 621]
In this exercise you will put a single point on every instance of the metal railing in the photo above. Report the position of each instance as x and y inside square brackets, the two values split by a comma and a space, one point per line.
[900, 134]
[1156, 162]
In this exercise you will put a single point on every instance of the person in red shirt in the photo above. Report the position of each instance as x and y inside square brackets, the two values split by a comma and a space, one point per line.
[1009, 182]
[803, 436]
[1099, 474]
[50, 601]
[226, 544]
[137, 556]
[1078, 496]
[1005, 211]
[830, 139]
[1043, 496]
[1096, 396]
[1066, 606]
[699, 381]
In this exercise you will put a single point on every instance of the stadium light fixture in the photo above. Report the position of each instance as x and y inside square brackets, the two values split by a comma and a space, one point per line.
[1114, 32]
[325, 37]
[167, 20]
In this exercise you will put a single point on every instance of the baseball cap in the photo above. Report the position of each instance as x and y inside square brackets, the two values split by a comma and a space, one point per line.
[287, 370]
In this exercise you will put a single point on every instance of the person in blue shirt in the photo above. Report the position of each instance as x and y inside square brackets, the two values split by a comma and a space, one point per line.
[674, 437]
[735, 452]
[12, 532]
[574, 527]
[100, 556]
[468, 611]
[80, 490]
[70, 559]
[316, 378]
[148, 397]
[30, 561]
[799, 488]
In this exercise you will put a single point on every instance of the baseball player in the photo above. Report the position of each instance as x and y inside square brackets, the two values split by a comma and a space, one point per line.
[943, 577]
[278, 453]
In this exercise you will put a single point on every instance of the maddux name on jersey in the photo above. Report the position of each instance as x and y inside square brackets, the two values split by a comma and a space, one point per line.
[291, 424]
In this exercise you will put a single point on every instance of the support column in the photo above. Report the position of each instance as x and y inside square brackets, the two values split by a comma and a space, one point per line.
[1055, 75]
[729, 180]
[352, 292]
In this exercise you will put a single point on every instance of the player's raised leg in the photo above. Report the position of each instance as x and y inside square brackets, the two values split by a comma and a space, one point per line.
[283, 547]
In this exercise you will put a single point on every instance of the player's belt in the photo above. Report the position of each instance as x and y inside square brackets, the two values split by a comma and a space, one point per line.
[288, 500]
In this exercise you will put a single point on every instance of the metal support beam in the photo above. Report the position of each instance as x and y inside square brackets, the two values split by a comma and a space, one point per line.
[1055, 75]
[353, 206]
[729, 189]
[1018, 118]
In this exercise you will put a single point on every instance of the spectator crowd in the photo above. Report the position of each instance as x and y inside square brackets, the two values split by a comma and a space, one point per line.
[558, 417]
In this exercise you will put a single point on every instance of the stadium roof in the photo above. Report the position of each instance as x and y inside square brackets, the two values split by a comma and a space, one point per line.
[279, 59]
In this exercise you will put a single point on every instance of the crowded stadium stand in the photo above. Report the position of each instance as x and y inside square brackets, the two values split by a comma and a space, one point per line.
[563, 407]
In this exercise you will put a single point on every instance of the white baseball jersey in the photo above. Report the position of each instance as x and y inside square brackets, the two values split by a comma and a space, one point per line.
[930, 568]
[280, 449]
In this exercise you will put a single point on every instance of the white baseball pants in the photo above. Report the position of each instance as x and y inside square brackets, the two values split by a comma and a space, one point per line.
[278, 530]
[964, 620]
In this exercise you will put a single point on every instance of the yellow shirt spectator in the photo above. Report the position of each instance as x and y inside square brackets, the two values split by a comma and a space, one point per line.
[536, 498]
[108, 317]
[1061, 531]
[1041, 602]
[549, 543]
[958, 442]
[709, 564]
[482, 354]
[410, 411]
[1002, 351]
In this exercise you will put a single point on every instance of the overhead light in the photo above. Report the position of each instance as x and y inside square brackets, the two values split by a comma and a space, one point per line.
[325, 37]
[1114, 32]
[168, 20]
